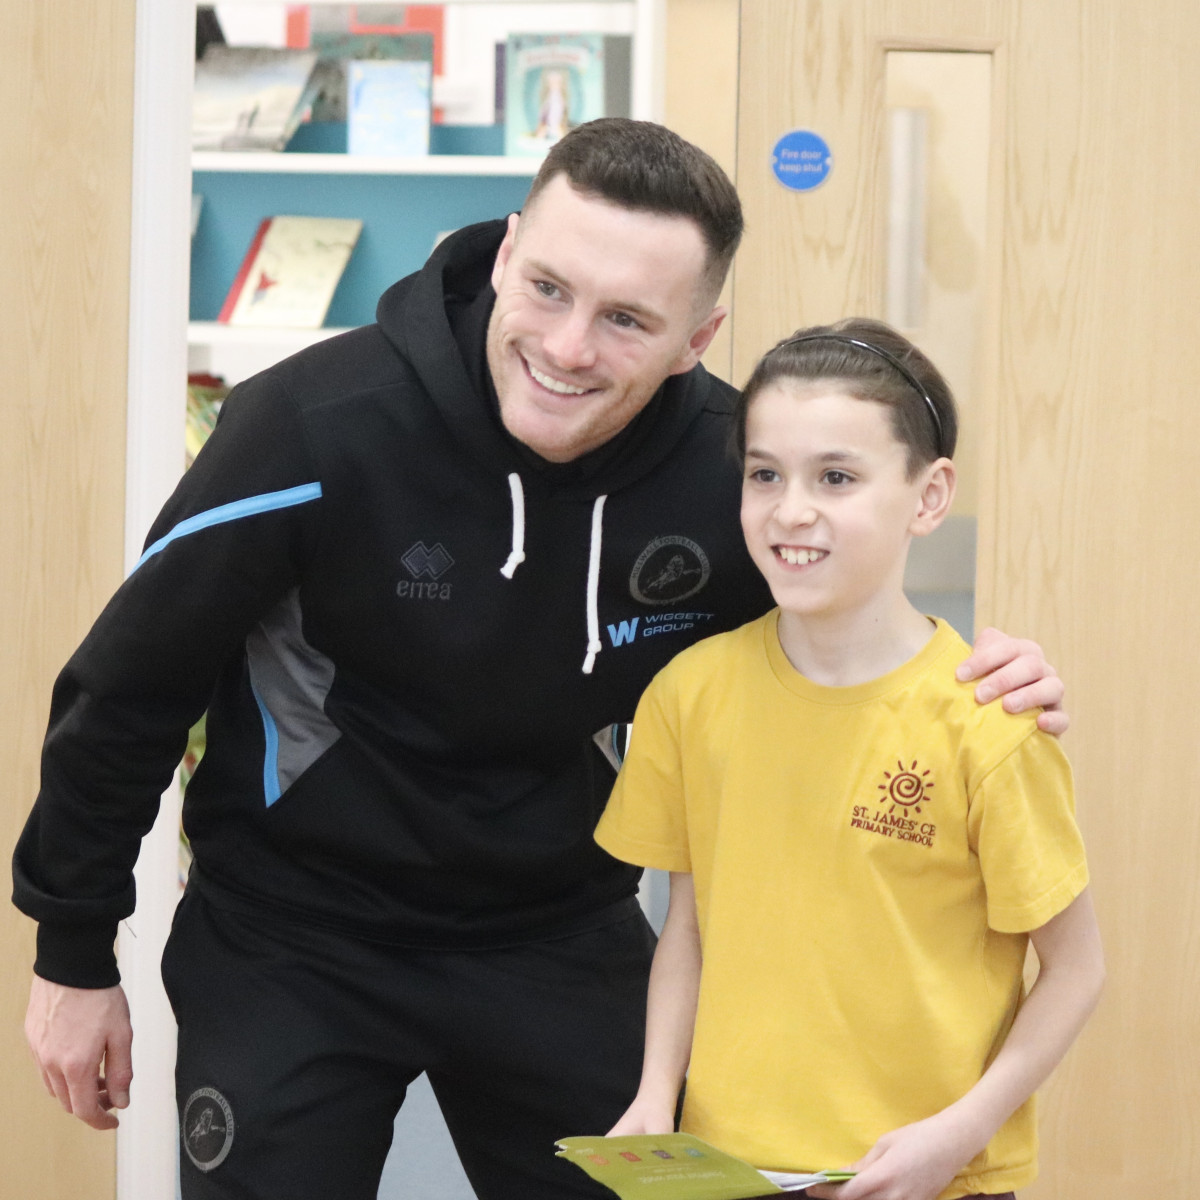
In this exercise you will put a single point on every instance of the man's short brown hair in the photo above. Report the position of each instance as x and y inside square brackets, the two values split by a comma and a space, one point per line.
[643, 166]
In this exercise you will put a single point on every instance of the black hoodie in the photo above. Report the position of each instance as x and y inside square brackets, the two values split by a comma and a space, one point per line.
[400, 723]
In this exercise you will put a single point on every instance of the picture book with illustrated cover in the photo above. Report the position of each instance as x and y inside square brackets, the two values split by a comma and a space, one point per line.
[553, 83]
[339, 49]
[250, 97]
[389, 107]
[678, 1166]
[291, 271]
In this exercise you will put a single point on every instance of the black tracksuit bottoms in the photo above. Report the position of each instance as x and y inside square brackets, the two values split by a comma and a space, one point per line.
[296, 1047]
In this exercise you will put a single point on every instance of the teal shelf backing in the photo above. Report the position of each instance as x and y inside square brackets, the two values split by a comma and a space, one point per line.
[401, 215]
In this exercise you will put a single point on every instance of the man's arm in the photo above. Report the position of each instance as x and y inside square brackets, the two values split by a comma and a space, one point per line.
[82, 1041]
[1017, 670]
[670, 1016]
[917, 1161]
[227, 546]
[222, 552]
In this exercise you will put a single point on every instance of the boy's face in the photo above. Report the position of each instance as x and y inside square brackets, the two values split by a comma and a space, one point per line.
[827, 509]
[595, 306]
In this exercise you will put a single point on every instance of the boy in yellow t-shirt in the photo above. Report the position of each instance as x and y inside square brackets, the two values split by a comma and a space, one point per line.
[859, 853]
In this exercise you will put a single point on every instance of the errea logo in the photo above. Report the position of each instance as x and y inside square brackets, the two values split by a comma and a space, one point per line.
[429, 562]
[421, 560]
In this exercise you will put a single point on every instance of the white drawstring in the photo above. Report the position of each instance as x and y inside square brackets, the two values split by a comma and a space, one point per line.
[517, 555]
[593, 587]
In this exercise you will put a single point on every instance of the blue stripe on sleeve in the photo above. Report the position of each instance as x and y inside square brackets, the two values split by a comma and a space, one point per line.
[251, 506]
[271, 788]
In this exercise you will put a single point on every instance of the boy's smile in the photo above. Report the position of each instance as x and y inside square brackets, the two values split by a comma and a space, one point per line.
[828, 509]
[801, 557]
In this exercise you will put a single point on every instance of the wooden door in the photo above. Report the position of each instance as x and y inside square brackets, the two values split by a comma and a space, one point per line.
[1088, 448]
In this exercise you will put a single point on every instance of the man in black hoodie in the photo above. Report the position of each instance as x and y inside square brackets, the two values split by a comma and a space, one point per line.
[418, 579]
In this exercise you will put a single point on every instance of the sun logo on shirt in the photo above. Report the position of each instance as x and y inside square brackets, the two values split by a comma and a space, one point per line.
[906, 788]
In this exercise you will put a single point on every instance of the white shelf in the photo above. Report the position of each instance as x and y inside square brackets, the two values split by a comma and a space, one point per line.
[215, 333]
[235, 352]
[361, 164]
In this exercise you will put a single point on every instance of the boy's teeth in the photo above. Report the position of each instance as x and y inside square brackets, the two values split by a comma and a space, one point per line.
[798, 558]
[553, 385]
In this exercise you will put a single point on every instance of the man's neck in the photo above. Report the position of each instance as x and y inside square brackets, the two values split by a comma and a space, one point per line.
[843, 649]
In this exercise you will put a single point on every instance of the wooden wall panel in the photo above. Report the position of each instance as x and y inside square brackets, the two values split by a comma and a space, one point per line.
[701, 97]
[65, 144]
[1090, 463]
[1094, 542]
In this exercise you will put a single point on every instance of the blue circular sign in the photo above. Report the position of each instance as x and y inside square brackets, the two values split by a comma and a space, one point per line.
[801, 160]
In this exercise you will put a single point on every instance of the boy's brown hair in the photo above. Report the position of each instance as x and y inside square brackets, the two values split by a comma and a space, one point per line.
[870, 360]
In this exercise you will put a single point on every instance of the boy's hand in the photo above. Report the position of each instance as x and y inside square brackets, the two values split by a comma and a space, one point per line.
[1016, 669]
[915, 1162]
[641, 1117]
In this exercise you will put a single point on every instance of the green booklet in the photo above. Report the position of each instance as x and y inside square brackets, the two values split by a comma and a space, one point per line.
[678, 1166]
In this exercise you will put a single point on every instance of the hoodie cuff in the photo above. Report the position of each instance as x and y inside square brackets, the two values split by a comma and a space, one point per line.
[81, 956]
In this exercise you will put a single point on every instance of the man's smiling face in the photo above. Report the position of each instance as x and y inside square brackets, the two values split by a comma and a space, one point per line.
[595, 306]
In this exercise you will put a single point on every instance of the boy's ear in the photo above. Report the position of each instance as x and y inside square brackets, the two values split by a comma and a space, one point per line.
[939, 480]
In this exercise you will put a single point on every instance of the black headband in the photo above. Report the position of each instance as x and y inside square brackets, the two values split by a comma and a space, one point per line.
[888, 357]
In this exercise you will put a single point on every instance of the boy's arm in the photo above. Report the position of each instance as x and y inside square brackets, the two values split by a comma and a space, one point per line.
[670, 1016]
[917, 1161]
[1016, 669]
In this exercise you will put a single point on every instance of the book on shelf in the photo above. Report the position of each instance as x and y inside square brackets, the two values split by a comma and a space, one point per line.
[208, 28]
[205, 394]
[389, 107]
[291, 271]
[501, 49]
[250, 97]
[554, 82]
[678, 1166]
[338, 49]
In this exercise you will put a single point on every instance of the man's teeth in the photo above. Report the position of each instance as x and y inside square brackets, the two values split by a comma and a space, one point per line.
[553, 385]
[799, 557]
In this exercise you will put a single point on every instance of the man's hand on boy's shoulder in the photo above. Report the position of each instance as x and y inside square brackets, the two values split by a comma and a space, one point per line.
[1017, 670]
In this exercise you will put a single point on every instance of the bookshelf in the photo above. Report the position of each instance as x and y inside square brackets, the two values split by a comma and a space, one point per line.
[405, 203]
[403, 210]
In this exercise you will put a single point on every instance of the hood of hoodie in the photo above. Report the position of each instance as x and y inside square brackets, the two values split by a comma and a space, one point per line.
[414, 315]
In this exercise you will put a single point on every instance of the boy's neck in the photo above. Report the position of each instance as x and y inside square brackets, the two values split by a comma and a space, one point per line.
[848, 648]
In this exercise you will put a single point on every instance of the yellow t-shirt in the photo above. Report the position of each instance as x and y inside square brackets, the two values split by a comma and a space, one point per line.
[867, 862]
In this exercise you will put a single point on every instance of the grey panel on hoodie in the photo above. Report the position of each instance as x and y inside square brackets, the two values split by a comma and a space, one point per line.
[291, 680]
